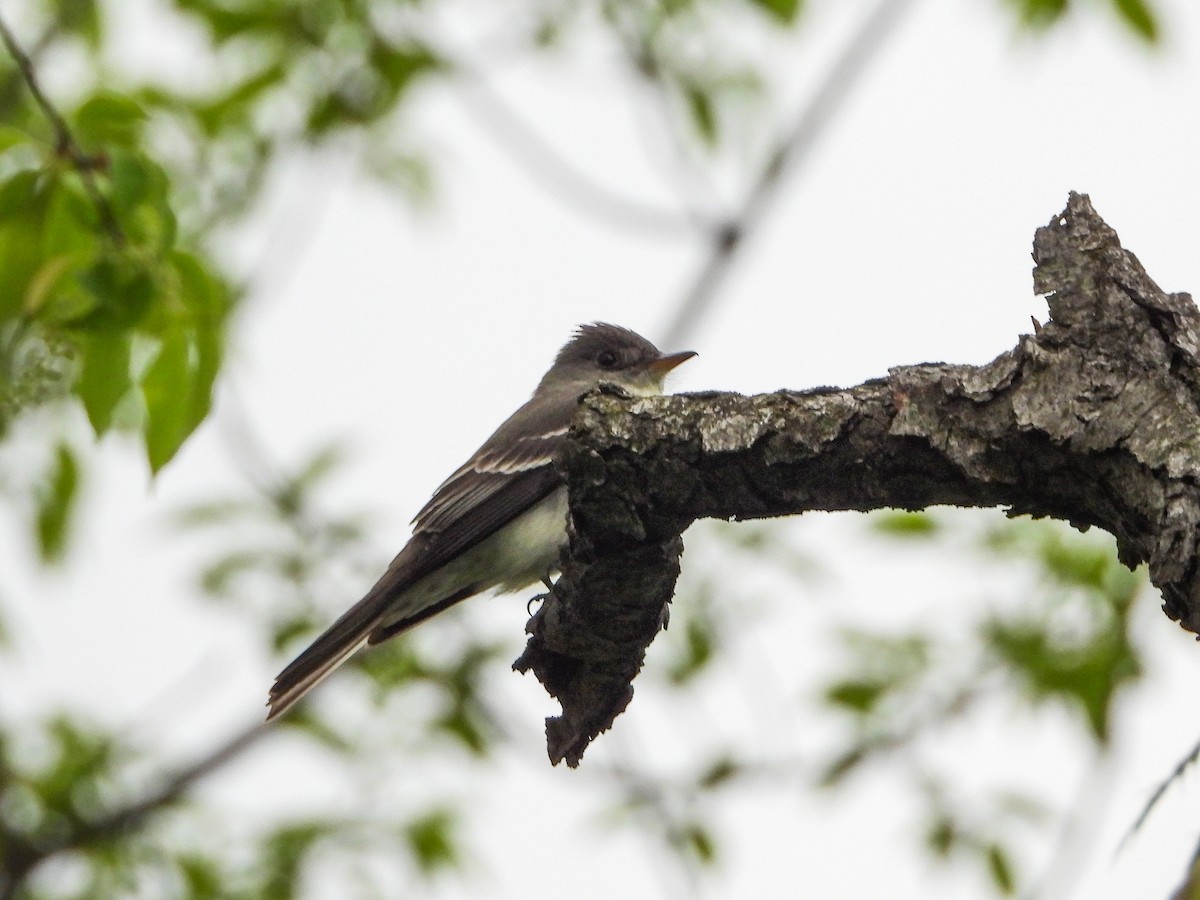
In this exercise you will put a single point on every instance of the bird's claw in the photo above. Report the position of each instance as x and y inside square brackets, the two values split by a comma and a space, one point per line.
[536, 598]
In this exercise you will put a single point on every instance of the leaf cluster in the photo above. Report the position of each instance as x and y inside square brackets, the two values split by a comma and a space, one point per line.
[92, 274]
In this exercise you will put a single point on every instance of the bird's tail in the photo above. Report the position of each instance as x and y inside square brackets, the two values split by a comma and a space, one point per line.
[326, 653]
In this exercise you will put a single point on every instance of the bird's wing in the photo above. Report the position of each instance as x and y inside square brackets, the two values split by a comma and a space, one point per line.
[512, 471]
[481, 503]
[489, 474]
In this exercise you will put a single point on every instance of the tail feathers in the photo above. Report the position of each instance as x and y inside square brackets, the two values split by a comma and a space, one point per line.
[372, 619]
[327, 652]
[389, 629]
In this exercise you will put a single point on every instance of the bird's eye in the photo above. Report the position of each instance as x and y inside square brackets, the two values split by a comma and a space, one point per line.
[607, 359]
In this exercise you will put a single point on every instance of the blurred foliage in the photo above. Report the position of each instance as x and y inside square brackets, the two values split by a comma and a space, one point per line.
[98, 299]
[1067, 643]
[63, 788]
[55, 502]
[117, 188]
[979, 834]
[679, 811]
[1137, 15]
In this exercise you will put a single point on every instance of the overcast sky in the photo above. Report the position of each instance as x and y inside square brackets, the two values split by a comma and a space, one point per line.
[905, 238]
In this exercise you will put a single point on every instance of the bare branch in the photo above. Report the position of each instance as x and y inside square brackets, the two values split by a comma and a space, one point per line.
[21, 858]
[1159, 792]
[553, 172]
[1094, 420]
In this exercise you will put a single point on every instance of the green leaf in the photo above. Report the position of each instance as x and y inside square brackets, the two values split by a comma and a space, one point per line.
[201, 876]
[1076, 563]
[1000, 867]
[226, 21]
[234, 107]
[1039, 14]
[702, 111]
[141, 201]
[431, 840]
[719, 772]
[218, 577]
[130, 175]
[284, 853]
[698, 648]
[81, 758]
[108, 118]
[19, 191]
[81, 17]
[105, 376]
[464, 724]
[11, 136]
[783, 10]
[55, 504]
[122, 289]
[902, 524]
[207, 300]
[43, 286]
[1087, 674]
[71, 222]
[942, 835]
[856, 695]
[167, 387]
[1138, 16]
[699, 841]
[69, 245]
[327, 113]
[23, 201]
[319, 466]
[398, 66]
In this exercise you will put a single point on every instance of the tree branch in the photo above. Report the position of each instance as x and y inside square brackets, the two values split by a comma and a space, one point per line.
[1095, 419]
[556, 174]
[22, 857]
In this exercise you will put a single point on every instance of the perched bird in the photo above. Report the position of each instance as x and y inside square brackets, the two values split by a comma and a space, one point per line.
[499, 521]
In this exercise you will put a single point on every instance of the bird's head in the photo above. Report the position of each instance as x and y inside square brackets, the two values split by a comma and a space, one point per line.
[609, 354]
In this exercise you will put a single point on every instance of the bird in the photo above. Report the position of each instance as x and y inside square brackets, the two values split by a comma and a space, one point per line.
[499, 521]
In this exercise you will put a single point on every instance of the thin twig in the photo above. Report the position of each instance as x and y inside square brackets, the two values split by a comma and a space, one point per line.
[787, 154]
[126, 818]
[1158, 794]
[11, 83]
[65, 144]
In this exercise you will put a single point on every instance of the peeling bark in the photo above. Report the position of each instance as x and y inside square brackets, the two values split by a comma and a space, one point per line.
[1094, 419]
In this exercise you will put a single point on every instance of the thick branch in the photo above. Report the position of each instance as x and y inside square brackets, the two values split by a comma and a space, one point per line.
[1095, 419]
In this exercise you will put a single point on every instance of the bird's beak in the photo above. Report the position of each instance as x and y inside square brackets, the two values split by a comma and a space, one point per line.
[665, 363]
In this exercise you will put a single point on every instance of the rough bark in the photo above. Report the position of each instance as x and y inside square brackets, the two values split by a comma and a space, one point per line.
[1093, 419]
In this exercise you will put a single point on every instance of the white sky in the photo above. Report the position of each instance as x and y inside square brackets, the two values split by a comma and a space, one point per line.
[905, 239]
